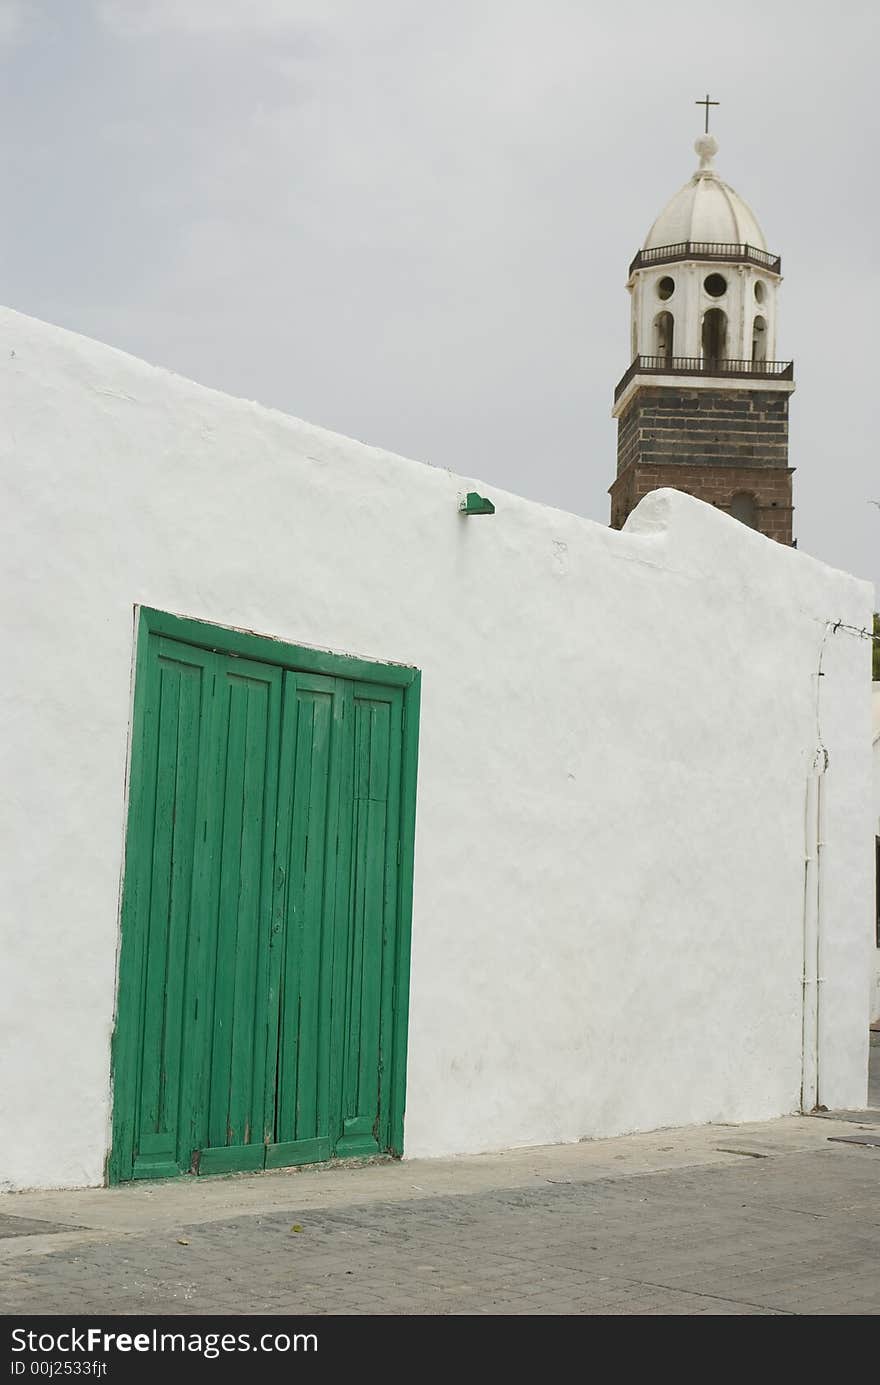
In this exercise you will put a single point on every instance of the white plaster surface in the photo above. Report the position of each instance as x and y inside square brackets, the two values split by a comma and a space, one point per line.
[690, 302]
[706, 209]
[617, 733]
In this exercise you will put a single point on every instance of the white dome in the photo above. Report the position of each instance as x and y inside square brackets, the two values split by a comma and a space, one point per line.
[706, 209]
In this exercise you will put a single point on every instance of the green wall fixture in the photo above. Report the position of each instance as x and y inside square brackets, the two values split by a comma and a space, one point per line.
[474, 504]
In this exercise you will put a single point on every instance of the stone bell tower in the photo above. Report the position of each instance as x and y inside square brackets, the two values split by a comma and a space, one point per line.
[704, 406]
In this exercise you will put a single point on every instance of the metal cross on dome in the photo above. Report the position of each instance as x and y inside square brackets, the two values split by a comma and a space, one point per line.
[707, 103]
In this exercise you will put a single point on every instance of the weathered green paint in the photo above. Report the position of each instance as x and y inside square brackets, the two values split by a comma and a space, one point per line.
[264, 968]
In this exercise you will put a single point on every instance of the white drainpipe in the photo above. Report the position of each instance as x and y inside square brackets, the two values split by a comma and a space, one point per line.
[814, 824]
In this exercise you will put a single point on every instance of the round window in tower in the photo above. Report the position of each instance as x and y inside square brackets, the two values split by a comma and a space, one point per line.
[759, 291]
[666, 287]
[715, 285]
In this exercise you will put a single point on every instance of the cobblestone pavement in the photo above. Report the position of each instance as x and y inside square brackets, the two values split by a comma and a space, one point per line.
[767, 1219]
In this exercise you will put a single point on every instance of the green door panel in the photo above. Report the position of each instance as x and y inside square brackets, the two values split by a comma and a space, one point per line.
[263, 977]
[181, 688]
[282, 1156]
[308, 825]
[372, 876]
[230, 1159]
[229, 1017]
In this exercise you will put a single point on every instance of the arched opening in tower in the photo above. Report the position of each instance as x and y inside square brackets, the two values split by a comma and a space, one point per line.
[759, 339]
[744, 507]
[664, 332]
[714, 341]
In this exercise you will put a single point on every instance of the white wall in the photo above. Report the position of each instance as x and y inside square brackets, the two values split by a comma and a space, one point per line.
[875, 990]
[617, 731]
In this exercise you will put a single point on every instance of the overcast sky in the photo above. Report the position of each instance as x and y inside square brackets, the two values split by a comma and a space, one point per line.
[410, 221]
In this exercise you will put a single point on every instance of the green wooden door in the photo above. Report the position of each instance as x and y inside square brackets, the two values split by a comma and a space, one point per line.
[366, 974]
[227, 965]
[262, 994]
[303, 1121]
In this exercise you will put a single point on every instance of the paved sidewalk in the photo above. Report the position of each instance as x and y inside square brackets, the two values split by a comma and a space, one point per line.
[764, 1219]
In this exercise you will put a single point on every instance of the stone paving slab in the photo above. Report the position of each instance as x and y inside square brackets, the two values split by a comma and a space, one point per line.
[29, 1226]
[591, 1229]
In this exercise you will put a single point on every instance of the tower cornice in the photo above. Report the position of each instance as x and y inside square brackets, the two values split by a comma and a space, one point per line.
[690, 372]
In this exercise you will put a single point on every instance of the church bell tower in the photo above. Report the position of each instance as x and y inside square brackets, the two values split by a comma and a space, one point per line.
[703, 407]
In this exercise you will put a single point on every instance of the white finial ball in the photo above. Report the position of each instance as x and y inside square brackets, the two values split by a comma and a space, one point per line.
[707, 147]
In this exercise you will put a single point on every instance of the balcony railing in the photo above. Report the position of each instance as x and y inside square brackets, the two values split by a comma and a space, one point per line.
[728, 251]
[698, 365]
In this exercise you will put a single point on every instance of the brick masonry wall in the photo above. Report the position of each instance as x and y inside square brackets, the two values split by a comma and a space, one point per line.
[717, 486]
[628, 437]
[711, 444]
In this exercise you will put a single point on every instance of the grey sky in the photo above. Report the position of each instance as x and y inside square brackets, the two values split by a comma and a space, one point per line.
[411, 221]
